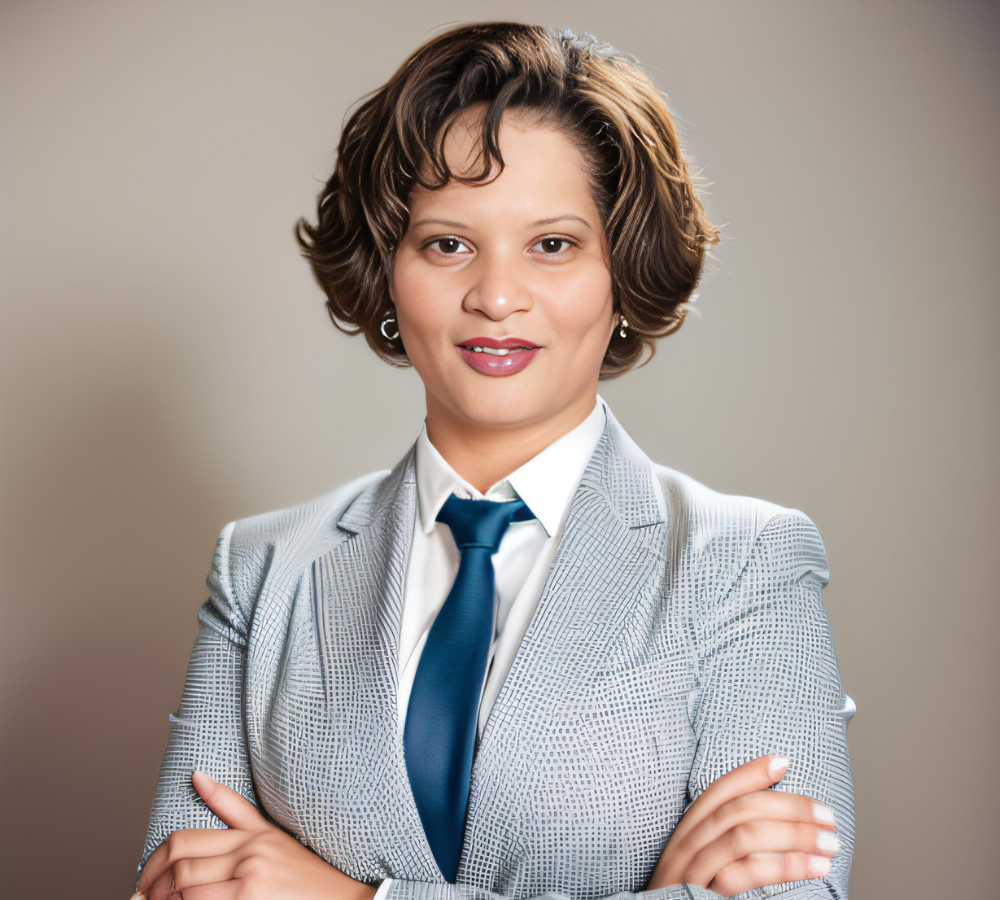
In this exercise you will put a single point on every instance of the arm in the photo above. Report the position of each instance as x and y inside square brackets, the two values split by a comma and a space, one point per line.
[769, 684]
[396, 889]
[207, 732]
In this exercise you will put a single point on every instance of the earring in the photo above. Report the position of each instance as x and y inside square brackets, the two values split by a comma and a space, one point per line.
[624, 325]
[386, 321]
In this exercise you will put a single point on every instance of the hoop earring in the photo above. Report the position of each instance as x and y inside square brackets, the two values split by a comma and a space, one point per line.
[386, 321]
[624, 325]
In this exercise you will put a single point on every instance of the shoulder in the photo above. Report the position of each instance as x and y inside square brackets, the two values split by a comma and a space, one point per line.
[716, 535]
[711, 536]
[248, 549]
[292, 526]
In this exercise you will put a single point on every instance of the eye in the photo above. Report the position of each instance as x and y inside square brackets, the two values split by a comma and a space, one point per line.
[548, 242]
[449, 244]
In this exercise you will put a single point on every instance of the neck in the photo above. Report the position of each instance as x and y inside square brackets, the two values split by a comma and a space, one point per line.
[485, 453]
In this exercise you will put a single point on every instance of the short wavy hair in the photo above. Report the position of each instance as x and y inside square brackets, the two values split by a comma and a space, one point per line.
[656, 228]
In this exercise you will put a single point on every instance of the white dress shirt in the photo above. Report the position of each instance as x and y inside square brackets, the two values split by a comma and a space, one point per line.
[547, 483]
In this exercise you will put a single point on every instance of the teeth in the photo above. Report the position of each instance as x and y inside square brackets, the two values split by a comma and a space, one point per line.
[498, 351]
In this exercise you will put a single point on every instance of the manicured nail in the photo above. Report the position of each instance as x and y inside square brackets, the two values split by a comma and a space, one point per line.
[823, 813]
[206, 776]
[138, 895]
[777, 765]
[827, 842]
[819, 866]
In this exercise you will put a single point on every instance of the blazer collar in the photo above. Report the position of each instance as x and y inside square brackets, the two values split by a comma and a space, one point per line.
[617, 469]
[545, 482]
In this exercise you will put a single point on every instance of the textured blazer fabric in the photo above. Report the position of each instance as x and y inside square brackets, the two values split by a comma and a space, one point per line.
[672, 642]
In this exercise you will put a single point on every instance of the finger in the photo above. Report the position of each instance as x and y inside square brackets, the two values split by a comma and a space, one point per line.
[759, 837]
[759, 806]
[192, 872]
[766, 805]
[184, 843]
[756, 775]
[163, 888]
[689, 837]
[222, 890]
[231, 806]
[761, 869]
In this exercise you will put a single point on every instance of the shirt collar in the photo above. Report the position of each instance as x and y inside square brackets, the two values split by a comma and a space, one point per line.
[545, 482]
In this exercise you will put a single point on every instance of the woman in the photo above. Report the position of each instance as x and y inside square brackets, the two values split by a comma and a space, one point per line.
[527, 659]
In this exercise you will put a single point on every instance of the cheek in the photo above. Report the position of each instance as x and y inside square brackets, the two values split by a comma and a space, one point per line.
[424, 331]
[421, 336]
[416, 310]
[582, 317]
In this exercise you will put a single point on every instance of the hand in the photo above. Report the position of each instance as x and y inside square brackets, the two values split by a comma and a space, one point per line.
[252, 859]
[739, 835]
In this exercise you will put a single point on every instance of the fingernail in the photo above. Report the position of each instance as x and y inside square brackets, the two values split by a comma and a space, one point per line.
[138, 895]
[819, 866]
[206, 776]
[777, 765]
[823, 813]
[827, 842]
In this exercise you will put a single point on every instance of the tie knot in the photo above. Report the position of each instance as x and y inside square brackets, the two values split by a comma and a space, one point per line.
[481, 523]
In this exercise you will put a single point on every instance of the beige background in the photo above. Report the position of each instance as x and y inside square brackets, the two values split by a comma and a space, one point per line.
[167, 367]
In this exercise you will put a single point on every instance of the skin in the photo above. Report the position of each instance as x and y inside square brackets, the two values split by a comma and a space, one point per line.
[251, 859]
[740, 835]
[494, 273]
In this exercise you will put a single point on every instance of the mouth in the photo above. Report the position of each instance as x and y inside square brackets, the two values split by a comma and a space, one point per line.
[498, 356]
[498, 346]
[497, 351]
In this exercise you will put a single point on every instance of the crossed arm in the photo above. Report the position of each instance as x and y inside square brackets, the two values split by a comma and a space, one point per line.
[768, 684]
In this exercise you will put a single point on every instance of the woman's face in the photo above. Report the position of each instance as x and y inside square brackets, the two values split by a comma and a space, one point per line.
[522, 257]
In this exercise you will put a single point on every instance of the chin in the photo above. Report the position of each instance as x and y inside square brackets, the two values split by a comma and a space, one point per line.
[510, 405]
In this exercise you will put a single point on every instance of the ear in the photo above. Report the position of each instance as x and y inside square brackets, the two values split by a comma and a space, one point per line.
[615, 320]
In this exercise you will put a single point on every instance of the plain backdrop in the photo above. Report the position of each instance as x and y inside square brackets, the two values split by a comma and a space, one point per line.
[168, 366]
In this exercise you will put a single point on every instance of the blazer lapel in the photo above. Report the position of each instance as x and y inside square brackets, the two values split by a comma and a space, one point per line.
[597, 614]
[605, 578]
[360, 585]
[607, 558]
[382, 520]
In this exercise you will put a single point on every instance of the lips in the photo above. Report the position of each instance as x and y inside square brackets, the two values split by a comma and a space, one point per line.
[496, 351]
[507, 343]
[498, 356]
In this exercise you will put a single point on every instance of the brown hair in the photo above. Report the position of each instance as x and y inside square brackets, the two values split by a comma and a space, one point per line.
[657, 230]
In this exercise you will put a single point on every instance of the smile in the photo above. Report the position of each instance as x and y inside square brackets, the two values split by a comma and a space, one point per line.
[496, 351]
[498, 361]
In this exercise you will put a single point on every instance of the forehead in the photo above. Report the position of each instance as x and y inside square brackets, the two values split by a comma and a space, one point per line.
[542, 166]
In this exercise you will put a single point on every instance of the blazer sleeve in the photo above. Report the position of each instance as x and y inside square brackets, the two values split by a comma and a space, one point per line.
[769, 684]
[207, 731]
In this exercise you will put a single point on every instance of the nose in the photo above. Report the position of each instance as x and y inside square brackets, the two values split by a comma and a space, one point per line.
[498, 288]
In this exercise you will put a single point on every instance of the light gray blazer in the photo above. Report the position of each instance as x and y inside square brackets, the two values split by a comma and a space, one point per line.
[668, 647]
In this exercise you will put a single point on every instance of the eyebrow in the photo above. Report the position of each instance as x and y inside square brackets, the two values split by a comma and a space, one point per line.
[537, 224]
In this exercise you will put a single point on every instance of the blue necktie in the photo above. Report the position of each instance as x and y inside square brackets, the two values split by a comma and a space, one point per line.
[443, 710]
